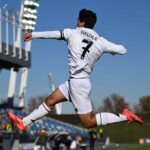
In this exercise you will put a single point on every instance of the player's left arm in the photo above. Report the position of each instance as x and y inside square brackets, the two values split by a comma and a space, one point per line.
[42, 35]
[29, 36]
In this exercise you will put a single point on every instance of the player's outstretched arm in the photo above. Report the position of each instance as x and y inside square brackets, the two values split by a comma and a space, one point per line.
[112, 48]
[42, 35]
[58, 34]
[47, 35]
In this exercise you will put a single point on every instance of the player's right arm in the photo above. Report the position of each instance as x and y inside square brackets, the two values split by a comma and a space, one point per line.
[62, 34]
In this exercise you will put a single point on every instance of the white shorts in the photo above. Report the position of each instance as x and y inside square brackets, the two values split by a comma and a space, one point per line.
[78, 92]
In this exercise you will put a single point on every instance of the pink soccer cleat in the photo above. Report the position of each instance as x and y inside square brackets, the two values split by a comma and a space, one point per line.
[131, 116]
[17, 121]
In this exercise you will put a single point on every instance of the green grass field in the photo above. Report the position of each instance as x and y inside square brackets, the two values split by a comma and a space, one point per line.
[129, 147]
[127, 133]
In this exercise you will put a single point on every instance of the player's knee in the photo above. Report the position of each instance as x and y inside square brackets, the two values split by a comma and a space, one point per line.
[88, 120]
[89, 124]
[49, 102]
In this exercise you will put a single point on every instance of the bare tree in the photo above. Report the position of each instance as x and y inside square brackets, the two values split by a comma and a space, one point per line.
[143, 106]
[34, 102]
[114, 103]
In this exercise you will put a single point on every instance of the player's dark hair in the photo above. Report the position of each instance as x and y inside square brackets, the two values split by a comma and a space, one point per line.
[88, 17]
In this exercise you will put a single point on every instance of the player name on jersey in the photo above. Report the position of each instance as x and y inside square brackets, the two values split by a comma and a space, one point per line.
[89, 35]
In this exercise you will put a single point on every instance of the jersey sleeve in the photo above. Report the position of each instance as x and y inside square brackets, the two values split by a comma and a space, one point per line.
[47, 35]
[109, 47]
[66, 33]
[60, 34]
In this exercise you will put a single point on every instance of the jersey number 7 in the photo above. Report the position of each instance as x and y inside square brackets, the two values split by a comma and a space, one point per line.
[86, 49]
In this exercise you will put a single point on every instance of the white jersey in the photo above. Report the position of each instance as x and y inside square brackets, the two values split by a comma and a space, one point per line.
[85, 48]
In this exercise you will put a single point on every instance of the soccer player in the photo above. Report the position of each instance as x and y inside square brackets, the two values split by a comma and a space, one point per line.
[85, 48]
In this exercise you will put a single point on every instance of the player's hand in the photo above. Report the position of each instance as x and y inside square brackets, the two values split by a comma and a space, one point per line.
[27, 36]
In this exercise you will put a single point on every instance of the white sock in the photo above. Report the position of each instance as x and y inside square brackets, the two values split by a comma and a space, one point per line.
[105, 118]
[36, 114]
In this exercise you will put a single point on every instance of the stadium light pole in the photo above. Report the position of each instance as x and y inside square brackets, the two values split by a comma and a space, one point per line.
[28, 7]
[13, 72]
[13, 76]
[58, 106]
[3, 8]
[7, 36]
[28, 21]
[14, 34]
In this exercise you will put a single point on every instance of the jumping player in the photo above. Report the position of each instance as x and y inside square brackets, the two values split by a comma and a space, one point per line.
[85, 48]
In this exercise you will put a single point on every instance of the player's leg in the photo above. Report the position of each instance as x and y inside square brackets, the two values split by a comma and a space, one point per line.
[45, 107]
[91, 120]
[80, 96]
[40, 111]
[80, 90]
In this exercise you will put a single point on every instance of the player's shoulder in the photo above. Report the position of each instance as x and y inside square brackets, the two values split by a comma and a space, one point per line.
[68, 30]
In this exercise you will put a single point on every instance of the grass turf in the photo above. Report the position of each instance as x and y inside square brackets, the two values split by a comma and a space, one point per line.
[129, 147]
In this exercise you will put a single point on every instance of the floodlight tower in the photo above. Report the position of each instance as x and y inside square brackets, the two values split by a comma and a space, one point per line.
[27, 21]
[58, 107]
